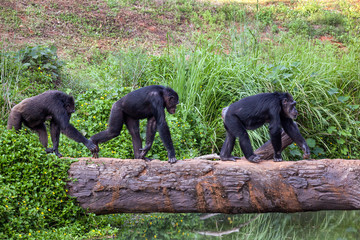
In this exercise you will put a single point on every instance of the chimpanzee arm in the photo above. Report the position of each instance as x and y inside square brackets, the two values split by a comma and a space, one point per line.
[62, 119]
[275, 136]
[150, 135]
[159, 115]
[291, 129]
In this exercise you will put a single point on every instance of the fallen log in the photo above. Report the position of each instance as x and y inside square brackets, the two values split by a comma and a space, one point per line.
[105, 186]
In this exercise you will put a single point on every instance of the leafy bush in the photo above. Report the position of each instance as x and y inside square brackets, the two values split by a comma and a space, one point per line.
[32, 188]
[41, 59]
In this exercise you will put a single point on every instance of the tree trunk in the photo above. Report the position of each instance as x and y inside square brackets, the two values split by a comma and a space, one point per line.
[107, 186]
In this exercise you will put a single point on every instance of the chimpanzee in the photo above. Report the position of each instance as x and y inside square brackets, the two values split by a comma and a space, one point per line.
[277, 109]
[147, 102]
[55, 106]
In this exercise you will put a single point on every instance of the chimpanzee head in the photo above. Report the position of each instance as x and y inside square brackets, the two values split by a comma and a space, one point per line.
[288, 107]
[70, 105]
[171, 99]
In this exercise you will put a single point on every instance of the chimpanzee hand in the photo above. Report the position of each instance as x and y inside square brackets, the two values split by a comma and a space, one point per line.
[306, 151]
[144, 150]
[94, 149]
[306, 155]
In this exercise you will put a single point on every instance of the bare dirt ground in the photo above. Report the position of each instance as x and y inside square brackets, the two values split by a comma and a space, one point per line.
[77, 27]
[84, 24]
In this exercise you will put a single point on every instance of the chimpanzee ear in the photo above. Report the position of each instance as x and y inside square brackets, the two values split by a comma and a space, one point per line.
[284, 101]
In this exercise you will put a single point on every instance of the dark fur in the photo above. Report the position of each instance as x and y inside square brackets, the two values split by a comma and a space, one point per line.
[55, 106]
[277, 109]
[147, 102]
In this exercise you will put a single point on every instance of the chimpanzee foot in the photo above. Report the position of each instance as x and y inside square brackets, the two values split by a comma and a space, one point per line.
[52, 150]
[147, 159]
[49, 150]
[230, 158]
[58, 154]
[172, 160]
[254, 158]
[277, 157]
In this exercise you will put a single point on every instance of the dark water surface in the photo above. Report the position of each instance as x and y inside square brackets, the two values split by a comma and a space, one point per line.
[327, 225]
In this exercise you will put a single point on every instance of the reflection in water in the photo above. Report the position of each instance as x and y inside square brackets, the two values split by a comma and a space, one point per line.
[222, 233]
[329, 225]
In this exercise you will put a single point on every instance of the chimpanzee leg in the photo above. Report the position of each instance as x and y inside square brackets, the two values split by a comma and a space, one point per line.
[116, 122]
[41, 131]
[55, 135]
[293, 131]
[246, 147]
[228, 147]
[238, 130]
[150, 135]
[133, 127]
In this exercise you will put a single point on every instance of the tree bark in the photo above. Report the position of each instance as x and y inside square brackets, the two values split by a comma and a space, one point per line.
[105, 186]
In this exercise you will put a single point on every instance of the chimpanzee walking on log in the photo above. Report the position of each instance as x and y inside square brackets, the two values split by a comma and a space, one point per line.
[55, 106]
[147, 102]
[277, 109]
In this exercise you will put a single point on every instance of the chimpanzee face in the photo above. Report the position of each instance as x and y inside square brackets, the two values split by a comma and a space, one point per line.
[171, 100]
[289, 108]
[70, 105]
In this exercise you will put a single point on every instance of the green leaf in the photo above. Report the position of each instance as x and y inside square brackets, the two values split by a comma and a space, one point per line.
[353, 107]
[311, 142]
[343, 99]
[333, 91]
[287, 75]
[331, 129]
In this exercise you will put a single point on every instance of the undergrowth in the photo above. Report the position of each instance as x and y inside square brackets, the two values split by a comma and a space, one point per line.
[33, 194]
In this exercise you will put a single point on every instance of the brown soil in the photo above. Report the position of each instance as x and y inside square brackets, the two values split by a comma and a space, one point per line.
[84, 24]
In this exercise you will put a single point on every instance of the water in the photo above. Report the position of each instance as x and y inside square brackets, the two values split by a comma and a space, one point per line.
[337, 225]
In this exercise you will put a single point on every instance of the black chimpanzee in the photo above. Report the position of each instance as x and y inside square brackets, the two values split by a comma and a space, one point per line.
[50, 105]
[147, 102]
[277, 109]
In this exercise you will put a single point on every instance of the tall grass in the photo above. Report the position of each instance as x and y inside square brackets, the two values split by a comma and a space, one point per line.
[10, 70]
[323, 78]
